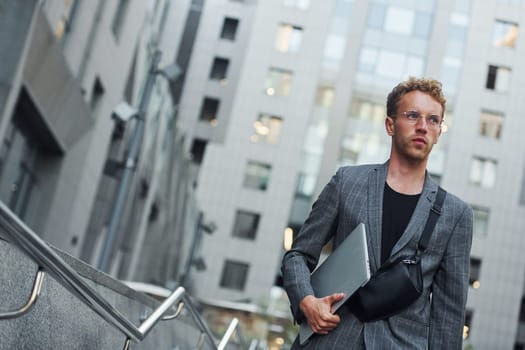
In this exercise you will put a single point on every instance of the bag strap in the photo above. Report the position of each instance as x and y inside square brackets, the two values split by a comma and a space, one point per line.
[433, 216]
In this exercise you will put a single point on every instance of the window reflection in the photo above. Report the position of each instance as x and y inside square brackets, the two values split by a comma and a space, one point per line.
[399, 20]
[483, 172]
[505, 34]
[289, 38]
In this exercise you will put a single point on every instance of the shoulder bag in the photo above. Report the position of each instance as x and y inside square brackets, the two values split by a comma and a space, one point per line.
[397, 284]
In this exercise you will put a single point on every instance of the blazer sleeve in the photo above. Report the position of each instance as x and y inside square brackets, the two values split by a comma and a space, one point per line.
[450, 287]
[301, 259]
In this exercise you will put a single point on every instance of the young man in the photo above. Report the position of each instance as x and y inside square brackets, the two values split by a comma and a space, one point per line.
[393, 200]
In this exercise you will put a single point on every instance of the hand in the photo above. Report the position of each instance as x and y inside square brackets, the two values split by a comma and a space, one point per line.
[318, 312]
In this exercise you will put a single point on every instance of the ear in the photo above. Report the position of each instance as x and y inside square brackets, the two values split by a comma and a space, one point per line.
[390, 126]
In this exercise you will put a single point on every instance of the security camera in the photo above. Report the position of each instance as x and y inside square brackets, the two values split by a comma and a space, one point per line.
[123, 112]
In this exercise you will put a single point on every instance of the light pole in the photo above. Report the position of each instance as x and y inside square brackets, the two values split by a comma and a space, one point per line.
[129, 165]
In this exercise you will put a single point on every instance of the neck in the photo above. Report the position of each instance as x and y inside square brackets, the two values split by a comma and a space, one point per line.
[406, 177]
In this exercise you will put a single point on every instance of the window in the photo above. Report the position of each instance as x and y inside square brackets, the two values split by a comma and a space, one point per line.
[209, 109]
[219, 68]
[498, 78]
[481, 220]
[305, 185]
[389, 64]
[505, 34]
[234, 275]
[278, 82]
[18, 164]
[267, 128]
[300, 4]
[288, 38]
[246, 224]
[229, 28]
[468, 323]
[198, 148]
[118, 18]
[97, 92]
[483, 172]
[257, 175]
[325, 96]
[399, 20]
[63, 26]
[475, 267]
[490, 124]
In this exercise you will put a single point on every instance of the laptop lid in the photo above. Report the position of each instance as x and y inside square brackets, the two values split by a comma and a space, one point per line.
[345, 270]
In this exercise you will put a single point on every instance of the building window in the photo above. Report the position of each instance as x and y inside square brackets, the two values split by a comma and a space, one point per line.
[97, 92]
[325, 96]
[219, 68]
[468, 324]
[289, 38]
[505, 34]
[209, 109]
[481, 220]
[234, 275]
[399, 20]
[198, 148]
[483, 172]
[17, 169]
[118, 18]
[490, 124]
[257, 175]
[475, 267]
[498, 78]
[300, 4]
[229, 28]
[278, 82]
[267, 128]
[63, 26]
[246, 224]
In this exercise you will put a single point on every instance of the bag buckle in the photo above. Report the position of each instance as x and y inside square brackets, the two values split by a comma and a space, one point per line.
[436, 209]
[410, 261]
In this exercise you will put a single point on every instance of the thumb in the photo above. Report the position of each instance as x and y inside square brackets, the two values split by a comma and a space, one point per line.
[334, 298]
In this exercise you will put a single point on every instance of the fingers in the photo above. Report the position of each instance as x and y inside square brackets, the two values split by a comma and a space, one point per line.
[318, 312]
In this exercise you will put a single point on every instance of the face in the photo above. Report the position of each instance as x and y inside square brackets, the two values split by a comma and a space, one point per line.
[414, 141]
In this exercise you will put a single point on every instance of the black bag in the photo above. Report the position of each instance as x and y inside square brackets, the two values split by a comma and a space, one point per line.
[396, 285]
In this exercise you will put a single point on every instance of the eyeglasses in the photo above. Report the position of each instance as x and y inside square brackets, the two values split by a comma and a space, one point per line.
[412, 117]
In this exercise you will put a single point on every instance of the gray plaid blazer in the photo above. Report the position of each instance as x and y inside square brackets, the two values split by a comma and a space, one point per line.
[435, 320]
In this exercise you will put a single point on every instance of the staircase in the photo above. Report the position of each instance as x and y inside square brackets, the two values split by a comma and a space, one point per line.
[51, 300]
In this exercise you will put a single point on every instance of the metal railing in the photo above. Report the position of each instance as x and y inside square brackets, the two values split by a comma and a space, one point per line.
[161, 292]
[50, 262]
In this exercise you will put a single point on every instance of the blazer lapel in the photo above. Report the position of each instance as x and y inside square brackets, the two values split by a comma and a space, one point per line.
[376, 187]
[420, 215]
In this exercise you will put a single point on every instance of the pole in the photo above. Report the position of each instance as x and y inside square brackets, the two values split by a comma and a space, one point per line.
[185, 278]
[135, 144]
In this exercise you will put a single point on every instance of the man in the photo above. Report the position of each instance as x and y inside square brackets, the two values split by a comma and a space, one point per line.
[393, 200]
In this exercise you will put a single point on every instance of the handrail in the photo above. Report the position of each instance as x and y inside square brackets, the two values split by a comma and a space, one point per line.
[35, 292]
[163, 292]
[227, 335]
[36, 249]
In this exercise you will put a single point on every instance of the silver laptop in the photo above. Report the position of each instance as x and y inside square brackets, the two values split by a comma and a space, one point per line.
[343, 271]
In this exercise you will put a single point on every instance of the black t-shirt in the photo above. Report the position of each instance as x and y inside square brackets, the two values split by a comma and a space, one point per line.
[397, 211]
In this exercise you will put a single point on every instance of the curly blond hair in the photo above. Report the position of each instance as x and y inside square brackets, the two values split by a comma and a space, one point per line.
[429, 86]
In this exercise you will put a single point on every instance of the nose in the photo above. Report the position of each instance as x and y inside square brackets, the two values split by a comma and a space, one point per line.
[422, 123]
